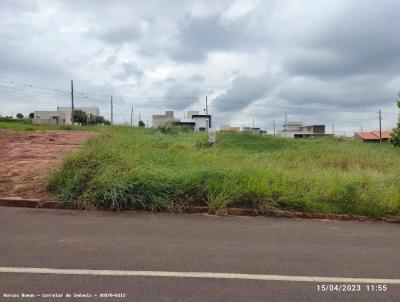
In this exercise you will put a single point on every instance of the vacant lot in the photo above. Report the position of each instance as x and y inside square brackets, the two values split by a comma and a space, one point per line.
[127, 168]
[28, 156]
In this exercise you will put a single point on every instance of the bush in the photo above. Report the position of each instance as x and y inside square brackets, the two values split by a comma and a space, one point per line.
[99, 120]
[80, 117]
[395, 137]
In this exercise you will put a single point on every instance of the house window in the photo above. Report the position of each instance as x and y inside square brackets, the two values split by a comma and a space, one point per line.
[202, 129]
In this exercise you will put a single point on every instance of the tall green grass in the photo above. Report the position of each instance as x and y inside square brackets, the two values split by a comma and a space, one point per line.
[132, 168]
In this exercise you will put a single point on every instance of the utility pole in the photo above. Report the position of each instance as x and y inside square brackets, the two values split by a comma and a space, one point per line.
[139, 117]
[206, 105]
[72, 102]
[333, 128]
[147, 122]
[132, 116]
[285, 124]
[380, 126]
[361, 128]
[253, 122]
[274, 127]
[112, 112]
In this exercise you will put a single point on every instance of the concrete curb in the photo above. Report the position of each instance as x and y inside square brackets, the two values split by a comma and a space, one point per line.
[28, 203]
[282, 214]
[288, 214]
[37, 203]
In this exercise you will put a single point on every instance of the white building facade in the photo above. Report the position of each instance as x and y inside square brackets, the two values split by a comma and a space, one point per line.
[163, 119]
[52, 118]
[95, 111]
[62, 116]
[296, 129]
[198, 122]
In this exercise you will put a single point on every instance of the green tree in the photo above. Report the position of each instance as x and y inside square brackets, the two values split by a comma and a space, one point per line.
[20, 115]
[99, 120]
[395, 137]
[141, 124]
[80, 117]
[31, 115]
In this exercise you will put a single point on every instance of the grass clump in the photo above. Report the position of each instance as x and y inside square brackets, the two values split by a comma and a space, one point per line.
[133, 168]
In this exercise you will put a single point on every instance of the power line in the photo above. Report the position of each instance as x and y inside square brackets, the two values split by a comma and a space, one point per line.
[232, 100]
[41, 93]
[236, 113]
[33, 86]
[112, 111]
[72, 103]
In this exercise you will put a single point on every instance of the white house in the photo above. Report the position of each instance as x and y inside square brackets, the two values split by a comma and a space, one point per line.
[62, 116]
[52, 118]
[194, 120]
[296, 129]
[202, 122]
[163, 119]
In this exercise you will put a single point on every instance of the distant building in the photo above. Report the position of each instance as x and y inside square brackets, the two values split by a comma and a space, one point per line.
[62, 116]
[52, 118]
[95, 111]
[227, 128]
[202, 122]
[251, 129]
[163, 119]
[373, 136]
[190, 113]
[186, 122]
[194, 120]
[296, 129]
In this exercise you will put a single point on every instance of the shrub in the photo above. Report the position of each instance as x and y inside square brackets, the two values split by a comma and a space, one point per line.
[80, 117]
[395, 137]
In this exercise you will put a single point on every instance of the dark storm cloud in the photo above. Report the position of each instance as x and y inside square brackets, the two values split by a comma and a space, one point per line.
[198, 36]
[18, 6]
[15, 61]
[181, 95]
[196, 78]
[129, 69]
[118, 35]
[362, 37]
[344, 93]
[244, 91]
[111, 60]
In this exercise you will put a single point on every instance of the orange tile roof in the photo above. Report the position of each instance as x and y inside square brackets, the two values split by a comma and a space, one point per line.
[373, 135]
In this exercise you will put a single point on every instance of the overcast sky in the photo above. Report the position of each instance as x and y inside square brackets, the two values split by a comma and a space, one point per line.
[253, 59]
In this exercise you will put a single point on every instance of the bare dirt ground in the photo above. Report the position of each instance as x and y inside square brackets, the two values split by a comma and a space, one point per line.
[26, 157]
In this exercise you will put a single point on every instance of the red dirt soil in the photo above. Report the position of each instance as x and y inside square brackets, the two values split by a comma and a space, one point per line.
[26, 157]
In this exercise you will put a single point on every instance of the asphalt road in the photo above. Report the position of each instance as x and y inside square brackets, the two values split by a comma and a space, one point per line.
[63, 239]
